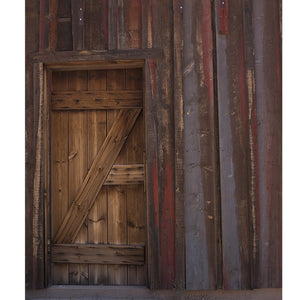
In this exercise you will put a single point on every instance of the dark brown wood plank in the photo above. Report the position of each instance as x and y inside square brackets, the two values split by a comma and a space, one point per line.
[95, 56]
[132, 27]
[200, 191]
[104, 254]
[77, 8]
[233, 143]
[125, 174]
[179, 147]
[95, 25]
[95, 177]
[64, 35]
[96, 100]
[53, 5]
[31, 45]
[112, 24]
[267, 129]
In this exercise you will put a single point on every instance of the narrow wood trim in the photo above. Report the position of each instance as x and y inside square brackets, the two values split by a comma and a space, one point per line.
[38, 182]
[96, 176]
[96, 100]
[63, 57]
[100, 254]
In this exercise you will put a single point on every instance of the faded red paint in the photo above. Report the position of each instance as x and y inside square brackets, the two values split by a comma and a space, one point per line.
[207, 47]
[223, 16]
[168, 229]
[152, 77]
[155, 192]
[41, 33]
[134, 19]
[242, 84]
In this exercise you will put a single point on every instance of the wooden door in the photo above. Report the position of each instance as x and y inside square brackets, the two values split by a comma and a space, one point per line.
[97, 178]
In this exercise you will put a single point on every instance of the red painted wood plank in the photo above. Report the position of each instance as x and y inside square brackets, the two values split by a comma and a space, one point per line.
[233, 133]
[223, 12]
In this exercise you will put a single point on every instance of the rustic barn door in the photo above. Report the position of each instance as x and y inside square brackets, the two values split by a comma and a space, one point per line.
[97, 177]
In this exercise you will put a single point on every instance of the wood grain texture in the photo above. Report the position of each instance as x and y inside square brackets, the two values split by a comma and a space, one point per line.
[136, 233]
[31, 45]
[78, 8]
[200, 148]
[233, 142]
[104, 254]
[268, 128]
[96, 100]
[95, 177]
[77, 157]
[97, 217]
[161, 158]
[116, 195]
[38, 254]
[179, 145]
[95, 24]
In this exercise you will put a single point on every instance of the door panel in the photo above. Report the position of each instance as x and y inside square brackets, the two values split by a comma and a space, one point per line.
[117, 214]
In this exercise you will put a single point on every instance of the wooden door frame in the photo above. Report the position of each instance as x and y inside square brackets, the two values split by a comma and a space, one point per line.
[43, 66]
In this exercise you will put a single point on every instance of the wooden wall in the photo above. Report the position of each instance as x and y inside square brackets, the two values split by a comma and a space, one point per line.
[213, 119]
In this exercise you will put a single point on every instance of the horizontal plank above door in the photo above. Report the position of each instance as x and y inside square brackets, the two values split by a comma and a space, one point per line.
[125, 174]
[79, 100]
[100, 254]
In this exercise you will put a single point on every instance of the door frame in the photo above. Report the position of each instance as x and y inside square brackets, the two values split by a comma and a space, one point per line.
[41, 193]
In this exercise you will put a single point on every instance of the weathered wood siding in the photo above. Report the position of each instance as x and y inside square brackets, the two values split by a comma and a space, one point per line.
[212, 127]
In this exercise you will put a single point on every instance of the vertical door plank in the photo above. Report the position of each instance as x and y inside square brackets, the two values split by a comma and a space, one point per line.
[97, 218]
[117, 231]
[59, 172]
[78, 273]
[135, 193]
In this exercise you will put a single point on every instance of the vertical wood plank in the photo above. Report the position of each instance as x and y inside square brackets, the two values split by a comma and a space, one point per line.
[116, 195]
[97, 218]
[200, 153]
[78, 273]
[268, 127]
[59, 172]
[252, 133]
[135, 193]
[64, 26]
[38, 182]
[53, 5]
[233, 141]
[78, 7]
[162, 37]
[95, 25]
[112, 24]
[31, 45]
[179, 147]
[132, 11]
